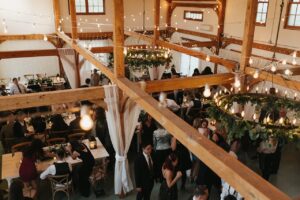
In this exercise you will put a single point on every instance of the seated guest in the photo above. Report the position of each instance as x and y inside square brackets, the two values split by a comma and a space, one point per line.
[17, 88]
[58, 123]
[206, 71]
[144, 174]
[38, 124]
[74, 125]
[7, 130]
[60, 167]
[230, 197]
[80, 150]
[20, 127]
[17, 192]
[3, 91]
[196, 72]
[87, 83]
[200, 193]
[95, 78]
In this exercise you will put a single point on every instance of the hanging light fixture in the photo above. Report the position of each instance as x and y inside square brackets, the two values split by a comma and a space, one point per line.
[86, 122]
[45, 38]
[207, 58]
[256, 74]
[250, 61]
[207, 91]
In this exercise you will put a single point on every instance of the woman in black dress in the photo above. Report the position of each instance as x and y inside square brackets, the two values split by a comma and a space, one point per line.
[168, 189]
[80, 150]
[184, 159]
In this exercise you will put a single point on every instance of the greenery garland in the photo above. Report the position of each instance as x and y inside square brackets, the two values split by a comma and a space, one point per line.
[237, 127]
[140, 59]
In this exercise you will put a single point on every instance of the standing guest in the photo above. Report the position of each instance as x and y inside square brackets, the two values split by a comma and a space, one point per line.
[266, 152]
[20, 127]
[60, 167]
[185, 162]
[162, 148]
[230, 197]
[147, 130]
[28, 170]
[200, 193]
[17, 192]
[80, 150]
[144, 173]
[17, 88]
[95, 78]
[168, 189]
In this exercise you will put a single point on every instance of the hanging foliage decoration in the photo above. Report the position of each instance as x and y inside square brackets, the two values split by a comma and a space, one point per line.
[237, 126]
[140, 59]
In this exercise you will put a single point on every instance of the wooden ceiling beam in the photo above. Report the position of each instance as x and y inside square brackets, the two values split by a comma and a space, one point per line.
[188, 83]
[25, 37]
[214, 59]
[277, 79]
[28, 53]
[50, 98]
[189, 32]
[194, 5]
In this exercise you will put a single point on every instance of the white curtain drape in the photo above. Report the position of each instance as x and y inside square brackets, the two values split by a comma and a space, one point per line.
[130, 119]
[67, 57]
[156, 72]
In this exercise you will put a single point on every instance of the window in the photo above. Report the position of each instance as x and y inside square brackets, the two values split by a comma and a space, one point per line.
[293, 15]
[193, 15]
[188, 64]
[262, 12]
[90, 7]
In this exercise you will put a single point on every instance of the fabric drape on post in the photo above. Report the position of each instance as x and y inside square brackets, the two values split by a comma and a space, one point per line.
[67, 57]
[130, 119]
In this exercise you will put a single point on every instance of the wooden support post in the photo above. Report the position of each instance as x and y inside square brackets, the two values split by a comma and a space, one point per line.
[169, 13]
[249, 30]
[156, 20]
[221, 24]
[73, 19]
[119, 68]
[56, 11]
[77, 70]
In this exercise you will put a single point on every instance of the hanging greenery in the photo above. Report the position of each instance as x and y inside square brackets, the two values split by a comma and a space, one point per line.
[140, 59]
[237, 126]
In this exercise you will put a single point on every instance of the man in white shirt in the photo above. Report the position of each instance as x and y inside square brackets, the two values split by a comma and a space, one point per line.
[60, 167]
[17, 88]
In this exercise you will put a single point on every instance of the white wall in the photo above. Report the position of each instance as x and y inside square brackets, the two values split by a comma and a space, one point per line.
[208, 25]
[235, 20]
[26, 16]
[133, 19]
[18, 67]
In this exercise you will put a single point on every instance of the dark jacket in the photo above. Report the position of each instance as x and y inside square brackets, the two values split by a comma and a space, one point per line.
[144, 177]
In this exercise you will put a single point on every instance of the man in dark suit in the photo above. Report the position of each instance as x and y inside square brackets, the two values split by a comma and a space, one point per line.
[144, 174]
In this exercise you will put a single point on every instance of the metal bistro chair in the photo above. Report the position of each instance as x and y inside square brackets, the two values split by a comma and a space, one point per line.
[76, 136]
[19, 147]
[53, 141]
[60, 183]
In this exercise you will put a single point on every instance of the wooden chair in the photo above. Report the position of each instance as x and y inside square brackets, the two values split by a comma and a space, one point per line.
[59, 134]
[76, 136]
[53, 141]
[61, 183]
[19, 147]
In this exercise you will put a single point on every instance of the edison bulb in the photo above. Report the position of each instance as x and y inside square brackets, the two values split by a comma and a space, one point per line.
[243, 113]
[207, 58]
[237, 83]
[207, 92]
[86, 123]
[256, 74]
[287, 72]
[273, 68]
[125, 51]
[250, 61]
[281, 120]
[294, 62]
[284, 62]
[294, 121]
[45, 38]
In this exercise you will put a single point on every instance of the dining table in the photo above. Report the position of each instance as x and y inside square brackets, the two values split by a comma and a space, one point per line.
[11, 162]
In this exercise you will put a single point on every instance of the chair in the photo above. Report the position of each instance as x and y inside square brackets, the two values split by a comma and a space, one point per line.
[60, 183]
[53, 141]
[19, 147]
[76, 136]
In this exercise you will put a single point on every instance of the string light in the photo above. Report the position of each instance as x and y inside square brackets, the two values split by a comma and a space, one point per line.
[287, 72]
[207, 58]
[294, 62]
[45, 38]
[250, 61]
[273, 68]
[256, 74]
[243, 113]
[284, 62]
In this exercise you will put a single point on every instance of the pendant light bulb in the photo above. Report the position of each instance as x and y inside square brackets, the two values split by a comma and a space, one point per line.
[206, 92]
[125, 51]
[295, 54]
[45, 38]
[250, 61]
[237, 83]
[284, 62]
[273, 68]
[207, 58]
[287, 72]
[294, 62]
[86, 123]
[243, 113]
[256, 74]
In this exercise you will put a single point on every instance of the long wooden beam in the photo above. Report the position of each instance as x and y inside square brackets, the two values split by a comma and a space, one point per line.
[24, 37]
[189, 32]
[214, 59]
[247, 182]
[50, 98]
[56, 11]
[194, 5]
[277, 79]
[188, 83]
[156, 16]
[28, 53]
[198, 44]
[72, 7]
